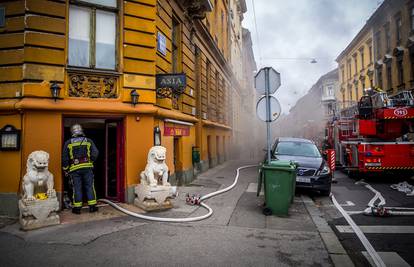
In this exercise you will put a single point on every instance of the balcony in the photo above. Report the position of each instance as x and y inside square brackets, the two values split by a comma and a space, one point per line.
[328, 98]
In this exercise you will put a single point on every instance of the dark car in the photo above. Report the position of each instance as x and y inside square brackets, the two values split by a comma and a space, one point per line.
[313, 172]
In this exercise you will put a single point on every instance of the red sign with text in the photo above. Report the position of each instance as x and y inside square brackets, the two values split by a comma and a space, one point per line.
[173, 130]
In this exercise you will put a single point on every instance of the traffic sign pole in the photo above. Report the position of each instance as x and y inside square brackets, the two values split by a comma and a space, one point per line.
[266, 82]
[268, 117]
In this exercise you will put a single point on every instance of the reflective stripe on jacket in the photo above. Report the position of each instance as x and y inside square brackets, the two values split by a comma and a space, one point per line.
[78, 153]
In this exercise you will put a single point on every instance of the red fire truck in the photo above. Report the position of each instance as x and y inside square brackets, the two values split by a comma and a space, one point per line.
[375, 135]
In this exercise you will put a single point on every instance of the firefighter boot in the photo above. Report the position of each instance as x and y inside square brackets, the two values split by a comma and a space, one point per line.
[76, 210]
[93, 208]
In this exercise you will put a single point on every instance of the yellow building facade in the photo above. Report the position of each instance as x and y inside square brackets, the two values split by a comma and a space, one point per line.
[356, 68]
[171, 56]
[381, 55]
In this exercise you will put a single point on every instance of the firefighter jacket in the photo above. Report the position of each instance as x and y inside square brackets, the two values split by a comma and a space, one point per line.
[78, 153]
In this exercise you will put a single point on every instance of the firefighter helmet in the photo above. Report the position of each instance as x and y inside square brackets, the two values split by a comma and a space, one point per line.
[76, 130]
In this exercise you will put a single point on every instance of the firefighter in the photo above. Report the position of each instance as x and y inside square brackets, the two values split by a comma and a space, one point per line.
[79, 154]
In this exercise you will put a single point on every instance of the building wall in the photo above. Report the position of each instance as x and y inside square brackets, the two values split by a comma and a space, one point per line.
[374, 33]
[386, 17]
[34, 55]
[354, 78]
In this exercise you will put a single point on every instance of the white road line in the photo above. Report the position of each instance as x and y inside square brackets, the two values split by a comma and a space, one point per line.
[372, 253]
[355, 212]
[378, 229]
[390, 259]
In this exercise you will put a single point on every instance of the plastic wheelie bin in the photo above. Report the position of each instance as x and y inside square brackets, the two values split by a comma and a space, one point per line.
[279, 178]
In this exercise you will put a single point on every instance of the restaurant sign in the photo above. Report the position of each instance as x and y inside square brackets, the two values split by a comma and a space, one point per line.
[170, 84]
[174, 130]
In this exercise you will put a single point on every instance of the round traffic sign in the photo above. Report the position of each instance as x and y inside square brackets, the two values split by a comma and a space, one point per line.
[275, 108]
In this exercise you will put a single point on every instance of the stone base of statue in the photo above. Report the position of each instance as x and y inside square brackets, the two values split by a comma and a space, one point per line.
[39, 213]
[154, 198]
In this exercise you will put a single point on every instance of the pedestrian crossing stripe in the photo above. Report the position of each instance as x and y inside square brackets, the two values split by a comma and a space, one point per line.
[391, 168]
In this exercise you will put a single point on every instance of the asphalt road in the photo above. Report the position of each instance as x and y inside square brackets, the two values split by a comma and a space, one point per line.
[237, 234]
[392, 237]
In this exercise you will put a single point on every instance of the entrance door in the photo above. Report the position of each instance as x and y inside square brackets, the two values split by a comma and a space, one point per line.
[114, 187]
[108, 136]
[177, 162]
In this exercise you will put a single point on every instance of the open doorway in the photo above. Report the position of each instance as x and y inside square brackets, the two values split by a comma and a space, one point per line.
[178, 166]
[107, 134]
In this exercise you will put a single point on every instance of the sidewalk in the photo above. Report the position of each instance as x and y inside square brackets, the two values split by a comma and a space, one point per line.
[237, 234]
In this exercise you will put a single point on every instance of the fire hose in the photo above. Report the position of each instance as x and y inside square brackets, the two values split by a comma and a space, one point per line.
[198, 201]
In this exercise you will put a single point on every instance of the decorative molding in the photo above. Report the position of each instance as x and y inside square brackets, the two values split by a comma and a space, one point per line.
[196, 9]
[92, 85]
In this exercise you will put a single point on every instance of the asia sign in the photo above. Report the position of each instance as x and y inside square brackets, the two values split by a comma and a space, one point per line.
[170, 84]
[174, 130]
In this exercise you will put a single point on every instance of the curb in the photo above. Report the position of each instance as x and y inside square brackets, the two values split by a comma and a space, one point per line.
[336, 251]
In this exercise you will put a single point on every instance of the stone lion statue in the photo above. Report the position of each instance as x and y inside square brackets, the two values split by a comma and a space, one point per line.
[156, 170]
[37, 175]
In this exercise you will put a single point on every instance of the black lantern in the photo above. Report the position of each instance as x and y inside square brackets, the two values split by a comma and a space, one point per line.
[157, 136]
[55, 90]
[134, 97]
[9, 138]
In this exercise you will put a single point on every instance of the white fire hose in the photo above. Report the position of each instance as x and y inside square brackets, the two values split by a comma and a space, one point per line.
[188, 219]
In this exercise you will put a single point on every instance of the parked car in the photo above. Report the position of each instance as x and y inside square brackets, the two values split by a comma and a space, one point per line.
[313, 172]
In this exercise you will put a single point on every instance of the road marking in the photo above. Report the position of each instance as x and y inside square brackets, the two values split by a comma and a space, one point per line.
[390, 259]
[377, 196]
[368, 246]
[378, 229]
[354, 212]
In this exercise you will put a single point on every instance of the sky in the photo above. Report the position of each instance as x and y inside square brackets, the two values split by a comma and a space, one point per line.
[303, 29]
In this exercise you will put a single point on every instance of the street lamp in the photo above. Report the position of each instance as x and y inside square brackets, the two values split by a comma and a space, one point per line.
[55, 90]
[157, 136]
[134, 97]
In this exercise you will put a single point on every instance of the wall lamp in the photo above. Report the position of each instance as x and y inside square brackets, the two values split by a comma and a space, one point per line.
[55, 90]
[157, 136]
[134, 97]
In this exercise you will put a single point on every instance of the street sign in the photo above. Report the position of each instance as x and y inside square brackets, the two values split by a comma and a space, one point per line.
[260, 80]
[275, 109]
[267, 81]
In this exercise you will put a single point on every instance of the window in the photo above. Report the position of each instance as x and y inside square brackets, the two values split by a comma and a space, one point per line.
[400, 71]
[176, 47]
[356, 91]
[92, 34]
[356, 64]
[350, 93]
[412, 18]
[412, 65]
[379, 77]
[349, 69]
[389, 76]
[343, 74]
[387, 37]
[370, 53]
[330, 90]
[398, 24]
[377, 45]
[361, 52]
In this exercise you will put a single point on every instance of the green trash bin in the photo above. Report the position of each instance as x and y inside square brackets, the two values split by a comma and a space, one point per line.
[279, 178]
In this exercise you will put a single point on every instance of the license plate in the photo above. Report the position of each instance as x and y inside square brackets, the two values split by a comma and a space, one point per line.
[373, 164]
[303, 180]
